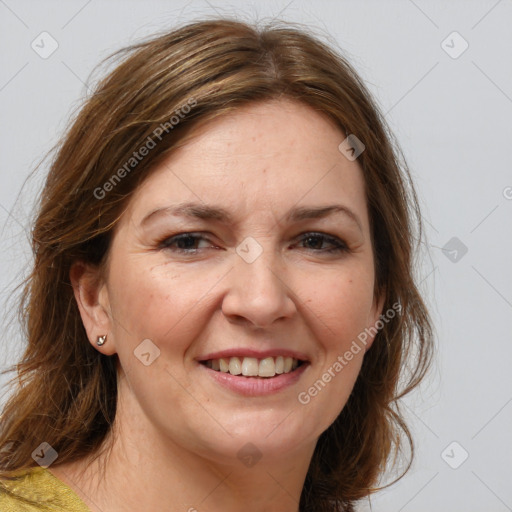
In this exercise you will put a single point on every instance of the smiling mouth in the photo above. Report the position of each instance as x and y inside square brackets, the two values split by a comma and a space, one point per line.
[253, 367]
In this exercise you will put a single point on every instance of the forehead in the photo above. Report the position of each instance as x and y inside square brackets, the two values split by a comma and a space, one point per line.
[264, 156]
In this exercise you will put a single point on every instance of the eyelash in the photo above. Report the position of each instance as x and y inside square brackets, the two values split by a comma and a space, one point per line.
[340, 246]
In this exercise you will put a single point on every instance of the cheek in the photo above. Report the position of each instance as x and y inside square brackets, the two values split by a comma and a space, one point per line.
[160, 304]
[157, 303]
[342, 306]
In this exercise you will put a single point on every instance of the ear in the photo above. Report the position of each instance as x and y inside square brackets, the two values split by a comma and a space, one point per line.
[91, 295]
[373, 317]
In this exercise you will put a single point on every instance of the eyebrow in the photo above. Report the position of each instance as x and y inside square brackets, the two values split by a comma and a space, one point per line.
[220, 214]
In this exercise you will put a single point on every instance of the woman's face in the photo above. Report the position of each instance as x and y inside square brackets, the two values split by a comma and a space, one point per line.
[247, 247]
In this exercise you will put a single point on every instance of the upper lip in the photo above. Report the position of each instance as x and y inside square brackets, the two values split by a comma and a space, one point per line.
[248, 352]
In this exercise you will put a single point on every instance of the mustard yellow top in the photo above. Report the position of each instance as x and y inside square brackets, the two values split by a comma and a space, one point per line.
[37, 490]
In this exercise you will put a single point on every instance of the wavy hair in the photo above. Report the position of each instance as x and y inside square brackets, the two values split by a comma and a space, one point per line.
[65, 391]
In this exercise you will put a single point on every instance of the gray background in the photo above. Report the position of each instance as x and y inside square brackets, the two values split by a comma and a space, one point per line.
[452, 118]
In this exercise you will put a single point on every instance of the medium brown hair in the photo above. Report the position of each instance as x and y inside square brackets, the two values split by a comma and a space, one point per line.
[66, 390]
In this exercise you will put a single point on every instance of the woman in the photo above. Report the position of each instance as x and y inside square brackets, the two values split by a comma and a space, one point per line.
[222, 301]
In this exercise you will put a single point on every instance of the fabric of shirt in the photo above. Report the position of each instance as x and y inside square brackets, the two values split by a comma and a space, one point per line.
[37, 490]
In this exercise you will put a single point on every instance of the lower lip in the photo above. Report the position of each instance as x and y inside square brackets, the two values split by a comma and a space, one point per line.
[256, 386]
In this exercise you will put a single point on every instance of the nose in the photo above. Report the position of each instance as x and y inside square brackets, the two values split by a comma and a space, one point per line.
[257, 292]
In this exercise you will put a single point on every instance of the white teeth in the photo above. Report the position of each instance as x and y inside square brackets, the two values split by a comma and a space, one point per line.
[223, 365]
[279, 364]
[253, 367]
[235, 366]
[267, 367]
[250, 367]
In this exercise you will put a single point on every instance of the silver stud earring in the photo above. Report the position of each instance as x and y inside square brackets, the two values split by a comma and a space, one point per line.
[101, 340]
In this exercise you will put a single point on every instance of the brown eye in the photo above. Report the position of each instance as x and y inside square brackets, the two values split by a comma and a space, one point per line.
[183, 242]
[316, 242]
